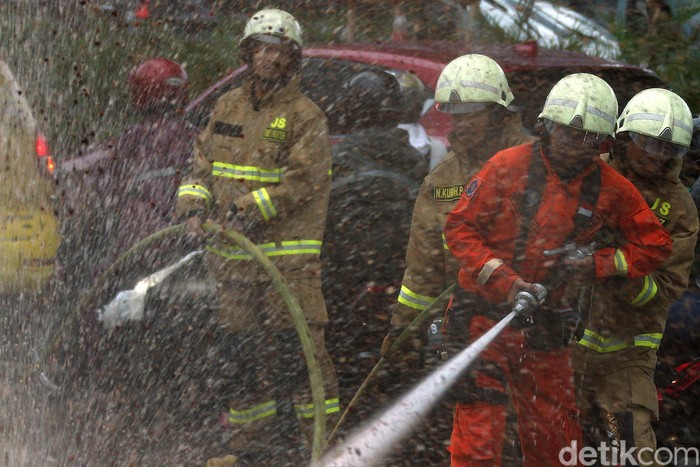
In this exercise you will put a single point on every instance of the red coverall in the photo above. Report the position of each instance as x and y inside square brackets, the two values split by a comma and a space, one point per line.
[481, 232]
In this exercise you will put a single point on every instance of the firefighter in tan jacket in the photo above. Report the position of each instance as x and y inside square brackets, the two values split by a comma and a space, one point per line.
[474, 89]
[262, 167]
[615, 357]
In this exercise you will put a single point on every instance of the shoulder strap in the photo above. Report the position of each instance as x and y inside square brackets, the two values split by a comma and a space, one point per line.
[530, 203]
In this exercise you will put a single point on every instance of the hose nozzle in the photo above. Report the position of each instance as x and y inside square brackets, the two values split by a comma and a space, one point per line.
[526, 301]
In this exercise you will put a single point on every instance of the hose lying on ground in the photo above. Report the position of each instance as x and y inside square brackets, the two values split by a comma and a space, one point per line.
[314, 368]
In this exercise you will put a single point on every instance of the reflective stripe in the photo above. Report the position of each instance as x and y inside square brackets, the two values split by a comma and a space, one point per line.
[413, 300]
[648, 340]
[620, 263]
[258, 412]
[197, 191]
[265, 204]
[590, 109]
[307, 410]
[166, 172]
[601, 344]
[246, 172]
[292, 247]
[488, 269]
[444, 242]
[471, 84]
[648, 292]
[658, 118]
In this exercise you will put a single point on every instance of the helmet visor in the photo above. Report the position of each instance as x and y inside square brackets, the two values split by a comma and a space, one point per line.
[463, 107]
[574, 135]
[658, 148]
[272, 39]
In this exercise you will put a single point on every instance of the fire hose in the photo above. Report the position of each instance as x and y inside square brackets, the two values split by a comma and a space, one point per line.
[372, 442]
[313, 366]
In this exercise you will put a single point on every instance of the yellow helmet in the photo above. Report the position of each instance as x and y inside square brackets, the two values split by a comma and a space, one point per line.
[658, 121]
[582, 101]
[469, 82]
[273, 25]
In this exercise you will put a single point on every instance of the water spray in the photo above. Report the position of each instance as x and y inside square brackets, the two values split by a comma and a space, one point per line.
[371, 443]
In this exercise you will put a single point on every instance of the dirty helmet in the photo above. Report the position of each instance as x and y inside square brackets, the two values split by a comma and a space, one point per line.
[273, 26]
[585, 102]
[659, 122]
[470, 83]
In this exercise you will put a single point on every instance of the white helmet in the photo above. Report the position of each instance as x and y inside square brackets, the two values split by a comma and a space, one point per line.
[470, 82]
[658, 121]
[582, 101]
[273, 25]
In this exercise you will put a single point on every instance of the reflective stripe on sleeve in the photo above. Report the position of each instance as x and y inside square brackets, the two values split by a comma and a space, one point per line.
[620, 263]
[198, 191]
[258, 412]
[413, 300]
[246, 172]
[262, 198]
[648, 292]
[488, 269]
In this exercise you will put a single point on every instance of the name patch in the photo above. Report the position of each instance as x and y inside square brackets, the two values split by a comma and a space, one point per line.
[447, 193]
[279, 136]
[228, 129]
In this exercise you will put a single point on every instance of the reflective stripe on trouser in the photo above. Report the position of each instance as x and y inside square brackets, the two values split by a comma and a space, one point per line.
[617, 403]
[308, 411]
[541, 387]
[270, 249]
[414, 300]
[269, 361]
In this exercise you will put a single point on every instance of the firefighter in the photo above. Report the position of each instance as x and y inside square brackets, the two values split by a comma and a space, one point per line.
[372, 104]
[615, 357]
[123, 189]
[475, 91]
[524, 201]
[374, 171]
[262, 167]
[413, 101]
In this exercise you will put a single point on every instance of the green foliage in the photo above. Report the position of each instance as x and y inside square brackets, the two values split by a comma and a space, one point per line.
[73, 59]
[668, 52]
[74, 64]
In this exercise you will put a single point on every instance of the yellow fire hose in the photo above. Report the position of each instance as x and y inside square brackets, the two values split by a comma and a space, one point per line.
[314, 368]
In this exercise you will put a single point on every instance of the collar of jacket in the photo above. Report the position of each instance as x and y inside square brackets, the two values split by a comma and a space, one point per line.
[670, 172]
[285, 94]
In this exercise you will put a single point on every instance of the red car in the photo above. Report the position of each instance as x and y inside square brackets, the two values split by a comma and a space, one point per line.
[531, 71]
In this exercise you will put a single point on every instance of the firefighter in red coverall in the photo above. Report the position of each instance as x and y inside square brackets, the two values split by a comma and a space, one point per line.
[528, 199]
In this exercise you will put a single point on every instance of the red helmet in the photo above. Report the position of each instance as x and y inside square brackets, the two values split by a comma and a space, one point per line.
[156, 82]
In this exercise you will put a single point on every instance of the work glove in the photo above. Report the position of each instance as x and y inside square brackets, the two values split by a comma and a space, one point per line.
[409, 348]
[517, 286]
[193, 223]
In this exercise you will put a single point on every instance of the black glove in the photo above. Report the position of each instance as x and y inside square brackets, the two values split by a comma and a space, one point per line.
[411, 344]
